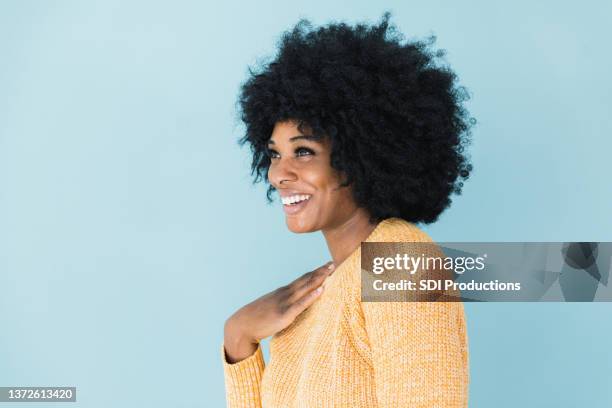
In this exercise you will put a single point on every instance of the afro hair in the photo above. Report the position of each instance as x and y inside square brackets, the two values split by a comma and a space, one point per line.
[394, 115]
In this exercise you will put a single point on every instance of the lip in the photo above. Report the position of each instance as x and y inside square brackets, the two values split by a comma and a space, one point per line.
[295, 208]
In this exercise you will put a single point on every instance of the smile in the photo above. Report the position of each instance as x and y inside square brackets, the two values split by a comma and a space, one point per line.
[294, 199]
[295, 203]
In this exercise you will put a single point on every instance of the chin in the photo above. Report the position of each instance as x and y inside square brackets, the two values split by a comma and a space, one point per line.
[299, 225]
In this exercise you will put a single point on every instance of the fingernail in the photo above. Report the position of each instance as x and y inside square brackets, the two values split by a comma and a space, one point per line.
[331, 267]
[318, 290]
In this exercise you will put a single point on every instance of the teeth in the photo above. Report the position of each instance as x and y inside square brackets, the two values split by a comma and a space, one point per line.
[295, 198]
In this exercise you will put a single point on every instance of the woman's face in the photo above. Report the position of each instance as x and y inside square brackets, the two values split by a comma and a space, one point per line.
[308, 186]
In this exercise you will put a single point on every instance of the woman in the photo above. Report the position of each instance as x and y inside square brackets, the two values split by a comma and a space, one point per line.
[362, 137]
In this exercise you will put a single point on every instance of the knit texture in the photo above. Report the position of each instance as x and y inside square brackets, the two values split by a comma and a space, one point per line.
[344, 353]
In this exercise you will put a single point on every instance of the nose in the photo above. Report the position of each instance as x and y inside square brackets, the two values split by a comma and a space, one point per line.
[280, 171]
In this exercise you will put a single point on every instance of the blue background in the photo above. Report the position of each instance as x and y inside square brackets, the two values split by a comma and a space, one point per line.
[129, 230]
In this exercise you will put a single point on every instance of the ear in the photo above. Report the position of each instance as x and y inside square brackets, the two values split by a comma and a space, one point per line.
[343, 179]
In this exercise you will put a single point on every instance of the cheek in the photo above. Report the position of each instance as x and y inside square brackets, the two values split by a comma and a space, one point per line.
[318, 177]
[330, 196]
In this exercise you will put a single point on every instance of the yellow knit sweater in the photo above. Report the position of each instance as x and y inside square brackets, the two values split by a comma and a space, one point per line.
[342, 352]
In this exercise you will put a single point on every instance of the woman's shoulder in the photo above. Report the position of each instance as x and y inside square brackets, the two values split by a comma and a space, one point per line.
[398, 230]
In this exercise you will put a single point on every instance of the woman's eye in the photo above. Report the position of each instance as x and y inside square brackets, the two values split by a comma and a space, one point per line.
[302, 151]
[272, 154]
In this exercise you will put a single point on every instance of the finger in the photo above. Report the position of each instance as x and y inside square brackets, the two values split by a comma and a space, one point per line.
[305, 301]
[316, 279]
[299, 282]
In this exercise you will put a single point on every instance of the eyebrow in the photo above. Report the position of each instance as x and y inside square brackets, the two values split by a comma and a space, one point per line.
[301, 137]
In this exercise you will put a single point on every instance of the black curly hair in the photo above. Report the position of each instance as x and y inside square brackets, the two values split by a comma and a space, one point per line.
[395, 118]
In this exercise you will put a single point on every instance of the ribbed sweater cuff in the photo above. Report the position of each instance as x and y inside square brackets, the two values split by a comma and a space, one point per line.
[243, 380]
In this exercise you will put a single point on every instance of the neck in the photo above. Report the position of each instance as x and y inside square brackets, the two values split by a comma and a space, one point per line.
[344, 238]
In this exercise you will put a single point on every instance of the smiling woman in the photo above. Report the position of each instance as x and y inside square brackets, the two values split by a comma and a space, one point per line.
[310, 188]
[361, 136]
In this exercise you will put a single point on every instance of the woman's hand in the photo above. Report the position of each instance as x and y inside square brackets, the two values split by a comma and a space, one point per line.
[271, 313]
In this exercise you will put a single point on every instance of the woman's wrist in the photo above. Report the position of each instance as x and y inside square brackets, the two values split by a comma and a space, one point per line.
[238, 345]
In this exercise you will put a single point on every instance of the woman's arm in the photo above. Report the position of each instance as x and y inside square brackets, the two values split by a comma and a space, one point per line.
[243, 380]
[243, 367]
[419, 353]
[243, 362]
